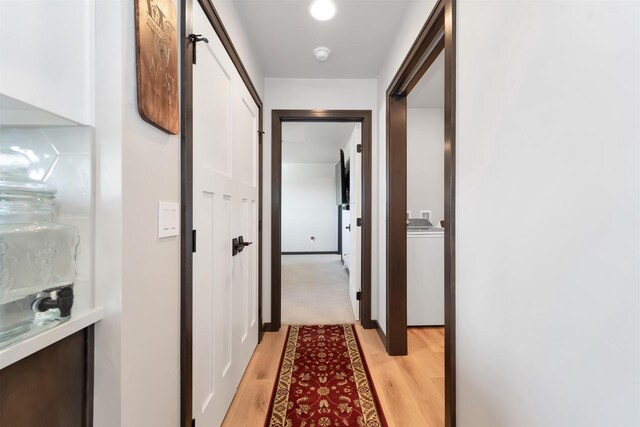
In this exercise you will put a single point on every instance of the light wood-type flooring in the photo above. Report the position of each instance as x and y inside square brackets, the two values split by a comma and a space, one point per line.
[410, 388]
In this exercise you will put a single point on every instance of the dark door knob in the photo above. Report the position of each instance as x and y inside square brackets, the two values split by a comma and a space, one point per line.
[348, 227]
[238, 245]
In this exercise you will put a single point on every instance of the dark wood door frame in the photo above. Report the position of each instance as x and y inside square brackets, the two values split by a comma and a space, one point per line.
[277, 117]
[437, 34]
[186, 164]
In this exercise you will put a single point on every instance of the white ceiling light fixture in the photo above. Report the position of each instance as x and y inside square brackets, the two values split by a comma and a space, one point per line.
[322, 10]
[322, 53]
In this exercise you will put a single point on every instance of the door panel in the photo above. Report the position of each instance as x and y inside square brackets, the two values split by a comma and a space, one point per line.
[246, 122]
[225, 195]
[355, 207]
[346, 238]
[253, 267]
[213, 115]
[244, 131]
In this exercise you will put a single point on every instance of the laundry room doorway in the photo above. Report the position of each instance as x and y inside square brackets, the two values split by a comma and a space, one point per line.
[427, 75]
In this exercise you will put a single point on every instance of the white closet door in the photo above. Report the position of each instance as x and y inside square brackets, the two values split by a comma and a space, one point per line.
[225, 206]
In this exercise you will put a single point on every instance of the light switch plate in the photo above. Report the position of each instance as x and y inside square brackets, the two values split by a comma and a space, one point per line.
[168, 219]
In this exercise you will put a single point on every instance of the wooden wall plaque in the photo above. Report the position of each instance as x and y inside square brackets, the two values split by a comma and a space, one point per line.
[157, 63]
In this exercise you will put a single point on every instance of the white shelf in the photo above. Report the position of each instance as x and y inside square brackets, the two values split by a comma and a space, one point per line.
[22, 349]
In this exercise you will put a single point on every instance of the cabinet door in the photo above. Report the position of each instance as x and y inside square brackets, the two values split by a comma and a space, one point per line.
[46, 57]
[50, 387]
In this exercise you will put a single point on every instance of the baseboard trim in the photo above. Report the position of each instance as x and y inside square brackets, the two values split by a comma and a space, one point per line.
[371, 324]
[312, 253]
[266, 327]
[381, 334]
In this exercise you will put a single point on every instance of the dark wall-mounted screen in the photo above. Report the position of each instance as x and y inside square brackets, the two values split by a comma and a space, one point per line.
[342, 182]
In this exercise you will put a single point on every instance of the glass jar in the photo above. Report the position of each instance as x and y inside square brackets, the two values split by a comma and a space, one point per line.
[37, 255]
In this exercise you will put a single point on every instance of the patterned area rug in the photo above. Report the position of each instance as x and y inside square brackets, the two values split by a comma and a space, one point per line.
[323, 381]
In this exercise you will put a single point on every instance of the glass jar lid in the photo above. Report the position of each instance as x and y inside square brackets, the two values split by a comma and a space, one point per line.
[15, 180]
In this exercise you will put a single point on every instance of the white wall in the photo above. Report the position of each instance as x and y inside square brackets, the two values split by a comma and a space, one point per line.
[31, 47]
[309, 94]
[137, 166]
[425, 162]
[108, 378]
[548, 208]
[150, 173]
[309, 207]
[548, 201]
[137, 372]
[416, 15]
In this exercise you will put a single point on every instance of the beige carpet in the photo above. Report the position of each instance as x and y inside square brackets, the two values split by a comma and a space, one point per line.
[315, 290]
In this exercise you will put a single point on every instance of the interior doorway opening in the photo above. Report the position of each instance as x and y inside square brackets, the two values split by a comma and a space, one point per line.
[321, 199]
[298, 252]
[425, 199]
[434, 45]
[425, 230]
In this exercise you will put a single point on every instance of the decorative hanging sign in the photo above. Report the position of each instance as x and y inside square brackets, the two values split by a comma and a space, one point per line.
[157, 63]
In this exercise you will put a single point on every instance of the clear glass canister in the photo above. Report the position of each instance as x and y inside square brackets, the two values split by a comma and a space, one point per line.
[37, 254]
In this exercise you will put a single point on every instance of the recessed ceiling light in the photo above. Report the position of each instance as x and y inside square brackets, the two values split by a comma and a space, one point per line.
[322, 10]
[322, 53]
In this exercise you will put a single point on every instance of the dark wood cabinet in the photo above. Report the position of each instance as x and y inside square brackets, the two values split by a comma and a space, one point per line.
[53, 387]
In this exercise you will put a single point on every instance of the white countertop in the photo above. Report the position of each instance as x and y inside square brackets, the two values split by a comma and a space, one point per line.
[22, 349]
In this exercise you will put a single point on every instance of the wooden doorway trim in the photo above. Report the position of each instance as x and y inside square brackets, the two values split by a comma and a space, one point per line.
[277, 117]
[436, 35]
[186, 166]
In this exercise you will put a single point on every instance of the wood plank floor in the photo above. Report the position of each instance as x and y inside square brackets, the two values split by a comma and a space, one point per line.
[410, 388]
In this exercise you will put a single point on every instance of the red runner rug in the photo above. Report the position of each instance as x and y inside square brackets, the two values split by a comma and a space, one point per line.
[323, 381]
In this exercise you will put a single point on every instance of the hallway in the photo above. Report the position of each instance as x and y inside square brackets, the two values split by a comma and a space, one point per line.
[202, 202]
[410, 388]
[315, 290]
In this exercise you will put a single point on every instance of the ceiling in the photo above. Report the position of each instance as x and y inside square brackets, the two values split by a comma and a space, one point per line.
[283, 35]
[429, 92]
[314, 142]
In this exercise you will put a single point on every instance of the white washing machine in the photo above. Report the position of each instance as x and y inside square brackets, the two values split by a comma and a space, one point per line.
[425, 277]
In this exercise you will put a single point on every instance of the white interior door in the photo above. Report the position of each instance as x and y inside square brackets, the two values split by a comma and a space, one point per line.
[355, 207]
[346, 237]
[225, 206]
